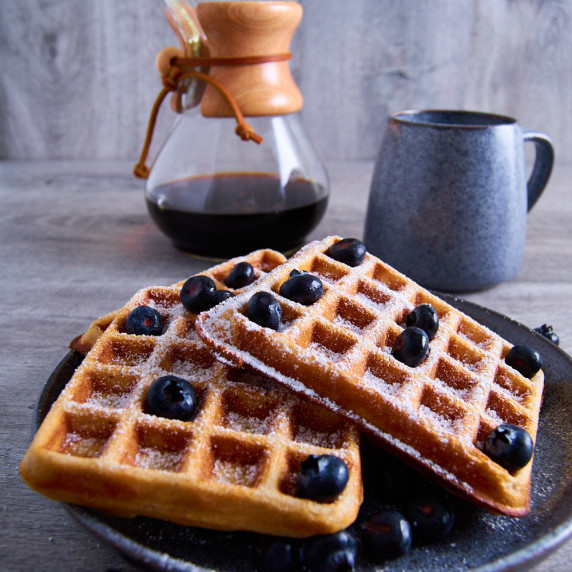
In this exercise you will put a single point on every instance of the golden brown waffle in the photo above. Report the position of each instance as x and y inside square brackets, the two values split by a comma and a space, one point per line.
[86, 341]
[338, 351]
[263, 261]
[233, 467]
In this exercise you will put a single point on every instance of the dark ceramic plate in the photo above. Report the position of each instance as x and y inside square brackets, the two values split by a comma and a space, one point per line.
[479, 540]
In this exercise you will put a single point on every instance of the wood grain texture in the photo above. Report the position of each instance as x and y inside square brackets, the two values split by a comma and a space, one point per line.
[251, 29]
[76, 242]
[78, 78]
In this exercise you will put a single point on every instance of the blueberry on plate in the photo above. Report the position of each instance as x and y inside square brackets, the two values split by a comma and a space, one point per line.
[350, 251]
[424, 317]
[280, 556]
[303, 288]
[411, 347]
[547, 331]
[510, 446]
[431, 519]
[524, 359]
[198, 294]
[222, 295]
[144, 321]
[242, 274]
[263, 309]
[386, 535]
[332, 553]
[171, 397]
[322, 478]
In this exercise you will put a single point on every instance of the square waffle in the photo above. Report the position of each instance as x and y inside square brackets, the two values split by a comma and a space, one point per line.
[234, 466]
[338, 351]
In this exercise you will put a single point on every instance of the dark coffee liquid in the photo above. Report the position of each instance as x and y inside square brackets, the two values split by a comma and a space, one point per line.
[233, 214]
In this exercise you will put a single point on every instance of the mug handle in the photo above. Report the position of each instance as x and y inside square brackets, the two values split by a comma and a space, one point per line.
[543, 164]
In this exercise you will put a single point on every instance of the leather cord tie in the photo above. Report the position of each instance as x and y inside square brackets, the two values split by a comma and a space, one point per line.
[173, 78]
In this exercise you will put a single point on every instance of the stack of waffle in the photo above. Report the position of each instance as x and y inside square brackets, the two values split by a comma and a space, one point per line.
[269, 399]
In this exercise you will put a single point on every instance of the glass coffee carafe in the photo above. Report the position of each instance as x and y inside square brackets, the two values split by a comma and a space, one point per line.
[237, 171]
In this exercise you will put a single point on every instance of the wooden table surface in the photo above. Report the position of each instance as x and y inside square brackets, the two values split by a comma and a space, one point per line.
[76, 242]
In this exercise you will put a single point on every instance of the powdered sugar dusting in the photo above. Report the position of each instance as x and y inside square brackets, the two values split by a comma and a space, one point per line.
[192, 335]
[463, 393]
[379, 306]
[513, 395]
[494, 416]
[347, 324]
[474, 367]
[187, 369]
[157, 459]
[484, 344]
[512, 390]
[323, 353]
[325, 276]
[317, 438]
[82, 445]
[249, 424]
[376, 383]
[110, 400]
[130, 358]
[442, 420]
[231, 473]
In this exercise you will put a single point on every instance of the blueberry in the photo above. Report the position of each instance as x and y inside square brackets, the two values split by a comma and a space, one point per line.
[263, 309]
[524, 359]
[296, 272]
[303, 288]
[171, 397]
[144, 321]
[411, 346]
[386, 535]
[198, 294]
[548, 333]
[350, 251]
[332, 553]
[280, 556]
[430, 518]
[241, 275]
[322, 478]
[510, 446]
[222, 295]
[424, 317]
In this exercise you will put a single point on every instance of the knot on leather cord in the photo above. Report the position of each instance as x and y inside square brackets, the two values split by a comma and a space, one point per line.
[171, 80]
[246, 133]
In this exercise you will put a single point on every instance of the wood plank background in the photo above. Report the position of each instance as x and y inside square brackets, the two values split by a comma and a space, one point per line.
[78, 79]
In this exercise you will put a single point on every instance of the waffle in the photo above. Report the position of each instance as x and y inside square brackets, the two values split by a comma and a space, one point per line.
[263, 261]
[338, 351]
[233, 467]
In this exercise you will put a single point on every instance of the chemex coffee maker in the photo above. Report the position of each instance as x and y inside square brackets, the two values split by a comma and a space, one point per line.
[237, 171]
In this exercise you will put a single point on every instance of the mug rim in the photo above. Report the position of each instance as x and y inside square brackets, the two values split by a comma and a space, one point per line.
[488, 120]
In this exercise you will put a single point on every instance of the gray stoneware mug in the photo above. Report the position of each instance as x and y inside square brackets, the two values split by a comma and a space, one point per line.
[449, 197]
